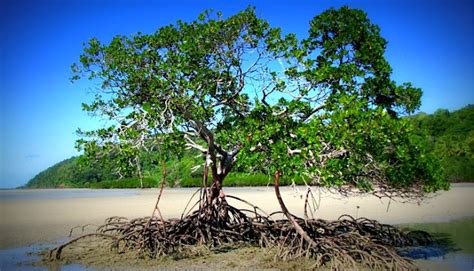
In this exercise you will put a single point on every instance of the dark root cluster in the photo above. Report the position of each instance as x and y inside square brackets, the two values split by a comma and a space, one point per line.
[343, 243]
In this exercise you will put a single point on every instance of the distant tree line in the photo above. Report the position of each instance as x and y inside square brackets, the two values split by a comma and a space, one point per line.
[450, 136]
[77, 172]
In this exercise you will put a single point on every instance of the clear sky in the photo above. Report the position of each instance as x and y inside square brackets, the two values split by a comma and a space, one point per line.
[430, 44]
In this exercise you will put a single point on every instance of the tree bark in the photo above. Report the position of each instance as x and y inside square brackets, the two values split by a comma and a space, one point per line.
[216, 186]
[219, 166]
[287, 213]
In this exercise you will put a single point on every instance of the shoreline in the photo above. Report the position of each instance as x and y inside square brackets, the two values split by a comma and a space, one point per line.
[50, 216]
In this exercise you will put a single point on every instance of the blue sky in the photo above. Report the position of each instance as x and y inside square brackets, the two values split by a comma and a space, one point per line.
[430, 44]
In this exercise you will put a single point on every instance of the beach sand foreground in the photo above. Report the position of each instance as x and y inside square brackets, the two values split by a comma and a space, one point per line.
[48, 219]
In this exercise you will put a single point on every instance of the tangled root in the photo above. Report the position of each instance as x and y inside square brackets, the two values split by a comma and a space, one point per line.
[343, 243]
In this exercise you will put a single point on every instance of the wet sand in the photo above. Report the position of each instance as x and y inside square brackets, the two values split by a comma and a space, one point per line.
[26, 218]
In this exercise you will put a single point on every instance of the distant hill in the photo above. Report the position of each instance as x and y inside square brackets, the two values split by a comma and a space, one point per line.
[450, 136]
[67, 173]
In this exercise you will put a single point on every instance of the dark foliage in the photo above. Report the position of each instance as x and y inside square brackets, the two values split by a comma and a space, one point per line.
[450, 137]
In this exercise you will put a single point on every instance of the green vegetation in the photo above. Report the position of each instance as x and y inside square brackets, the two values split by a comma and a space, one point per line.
[252, 100]
[68, 173]
[248, 99]
[450, 137]
[72, 173]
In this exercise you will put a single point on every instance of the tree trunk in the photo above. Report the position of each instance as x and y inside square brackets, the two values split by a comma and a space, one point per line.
[216, 200]
[216, 187]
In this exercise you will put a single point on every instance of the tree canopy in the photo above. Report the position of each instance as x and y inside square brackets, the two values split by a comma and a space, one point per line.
[247, 97]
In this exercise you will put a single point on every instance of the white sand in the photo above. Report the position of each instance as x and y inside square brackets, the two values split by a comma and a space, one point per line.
[25, 222]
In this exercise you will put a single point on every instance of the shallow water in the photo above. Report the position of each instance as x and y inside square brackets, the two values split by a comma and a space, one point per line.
[18, 259]
[461, 234]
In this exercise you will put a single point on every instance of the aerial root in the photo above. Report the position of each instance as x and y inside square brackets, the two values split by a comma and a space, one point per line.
[347, 242]
[343, 243]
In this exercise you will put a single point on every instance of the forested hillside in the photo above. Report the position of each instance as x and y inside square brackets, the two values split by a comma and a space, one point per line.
[68, 173]
[449, 135]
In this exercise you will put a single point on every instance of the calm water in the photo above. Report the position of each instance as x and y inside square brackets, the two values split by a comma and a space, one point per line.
[461, 234]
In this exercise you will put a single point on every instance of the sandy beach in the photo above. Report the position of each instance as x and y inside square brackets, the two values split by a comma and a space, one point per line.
[47, 217]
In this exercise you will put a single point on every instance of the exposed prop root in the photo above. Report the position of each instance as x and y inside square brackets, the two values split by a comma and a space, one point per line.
[343, 243]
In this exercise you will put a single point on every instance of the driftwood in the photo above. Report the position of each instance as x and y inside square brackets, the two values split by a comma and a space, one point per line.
[344, 243]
